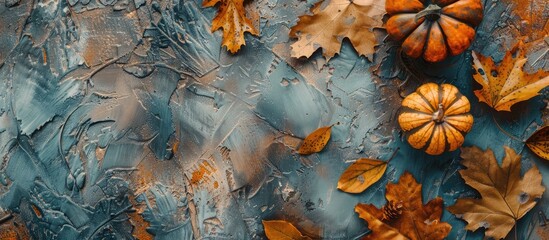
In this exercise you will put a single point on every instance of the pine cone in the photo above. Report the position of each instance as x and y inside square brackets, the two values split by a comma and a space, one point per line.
[391, 210]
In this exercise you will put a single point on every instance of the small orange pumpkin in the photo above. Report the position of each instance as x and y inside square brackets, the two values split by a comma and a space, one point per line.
[435, 30]
[436, 118]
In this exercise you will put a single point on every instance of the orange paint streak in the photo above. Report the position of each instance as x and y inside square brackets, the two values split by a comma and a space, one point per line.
[36, 211]
[204, 169]
[140, 227]
[175, 146]
[44, 56]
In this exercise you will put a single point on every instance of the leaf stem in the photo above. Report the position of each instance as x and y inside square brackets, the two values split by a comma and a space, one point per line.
[505, 132]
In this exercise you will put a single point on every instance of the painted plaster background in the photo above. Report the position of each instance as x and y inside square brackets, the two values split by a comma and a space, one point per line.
[124, 119]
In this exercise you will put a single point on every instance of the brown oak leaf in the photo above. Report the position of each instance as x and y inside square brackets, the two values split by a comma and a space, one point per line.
[404, 216]
[506, 84]
[231, 17]
[505, 197]
[334, 20]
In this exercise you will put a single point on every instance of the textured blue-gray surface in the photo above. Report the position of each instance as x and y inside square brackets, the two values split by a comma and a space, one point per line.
[121, 115]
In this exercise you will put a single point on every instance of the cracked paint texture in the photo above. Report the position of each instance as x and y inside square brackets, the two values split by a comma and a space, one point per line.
[125, 119]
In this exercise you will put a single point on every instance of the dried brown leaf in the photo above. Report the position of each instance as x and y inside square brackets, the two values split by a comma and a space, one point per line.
[413, 220]
[505, 197]
[334, 20]
[231, 17]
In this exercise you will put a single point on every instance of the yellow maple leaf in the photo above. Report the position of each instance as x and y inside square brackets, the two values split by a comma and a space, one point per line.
[334, 20]
[505, 197]
[404, 216]
[506, 84]
[231, 17]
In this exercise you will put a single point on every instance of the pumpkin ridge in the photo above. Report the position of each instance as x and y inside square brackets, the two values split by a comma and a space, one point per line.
[467, 6]
[459, 115]
[438, 126]
[440, 96]
[427, 133]
[419, 127]
[448, 130]
[411, 110]
[433, 109]
[458, 20]
[445, 38]
[427, 38]
[465, 40]
[457, 97]
[409, 31]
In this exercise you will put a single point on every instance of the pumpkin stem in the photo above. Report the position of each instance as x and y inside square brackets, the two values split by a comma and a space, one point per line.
[438, 116]
[431, 12]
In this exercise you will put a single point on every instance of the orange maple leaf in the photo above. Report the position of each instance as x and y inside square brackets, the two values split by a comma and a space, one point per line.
[231, 17]
[404, 216]
[506, 84]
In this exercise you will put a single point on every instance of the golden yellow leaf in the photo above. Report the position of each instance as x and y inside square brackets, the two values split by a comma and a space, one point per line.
[334, 20]
[231, 17]
[507, 84]
[505, 197]
[282, 230]
[404, 216]
[316, 141]
[361, 175]
[539, 143]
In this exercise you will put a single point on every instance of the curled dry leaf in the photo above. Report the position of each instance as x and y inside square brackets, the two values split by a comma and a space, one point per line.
[231, 17]
[282, 230]
[507, 84]
[404, 216]
[316, 141]
[539, 143]
[334, 20]
[505, 197]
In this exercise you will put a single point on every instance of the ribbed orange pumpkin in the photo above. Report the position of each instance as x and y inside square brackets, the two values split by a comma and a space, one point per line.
[435, 30]
[436, 118]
